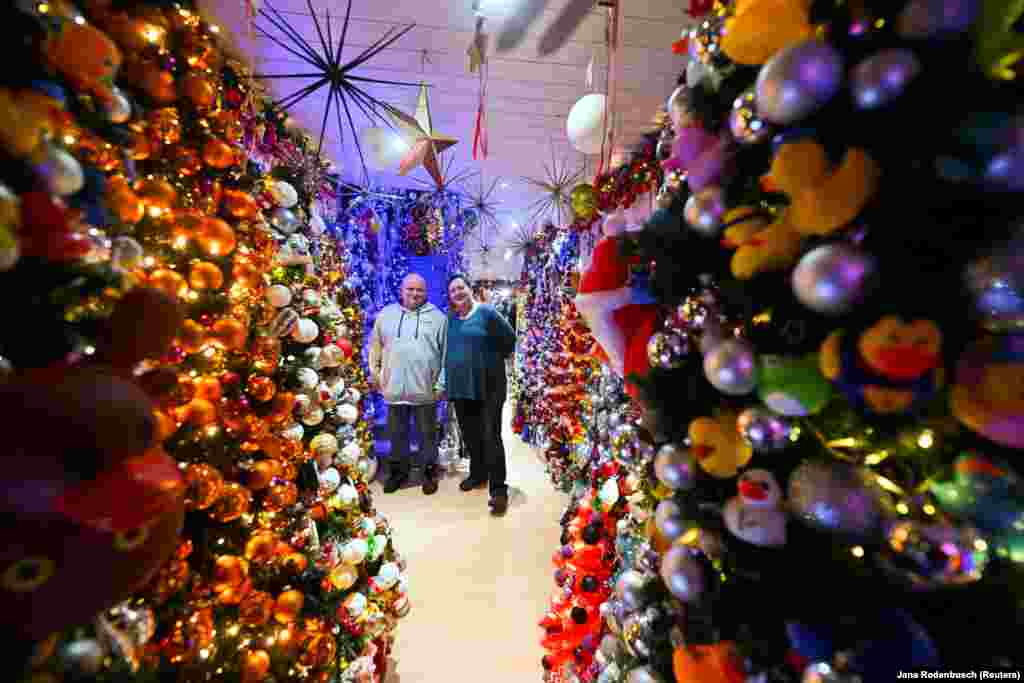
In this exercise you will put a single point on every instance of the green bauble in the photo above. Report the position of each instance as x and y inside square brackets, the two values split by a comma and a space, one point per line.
[793, 385]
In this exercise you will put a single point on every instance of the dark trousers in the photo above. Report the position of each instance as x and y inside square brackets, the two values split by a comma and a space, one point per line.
[425, 418]
[480, 424]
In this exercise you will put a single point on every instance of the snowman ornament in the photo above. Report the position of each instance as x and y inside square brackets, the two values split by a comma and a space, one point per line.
[755, 514]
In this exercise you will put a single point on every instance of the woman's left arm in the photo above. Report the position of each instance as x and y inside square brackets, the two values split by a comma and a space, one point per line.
[503, 333]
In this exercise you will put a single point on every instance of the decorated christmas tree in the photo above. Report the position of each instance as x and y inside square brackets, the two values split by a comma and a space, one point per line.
[190, 199]
[821, 325]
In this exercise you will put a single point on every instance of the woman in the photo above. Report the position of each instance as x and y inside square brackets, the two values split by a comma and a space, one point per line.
[479, 340]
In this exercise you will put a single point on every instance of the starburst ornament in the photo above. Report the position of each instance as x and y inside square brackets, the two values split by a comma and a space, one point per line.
[425, 144]
[556, 202]
[447, 179]
[328, 71]
[483, 204]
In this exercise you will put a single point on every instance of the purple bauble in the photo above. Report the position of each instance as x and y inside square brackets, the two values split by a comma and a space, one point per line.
[833, 278]
[883, 77]
[798, 81]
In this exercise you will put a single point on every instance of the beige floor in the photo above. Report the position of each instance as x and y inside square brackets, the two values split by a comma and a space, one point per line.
[478, 584]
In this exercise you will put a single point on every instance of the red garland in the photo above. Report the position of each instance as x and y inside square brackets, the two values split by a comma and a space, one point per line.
[619, 188]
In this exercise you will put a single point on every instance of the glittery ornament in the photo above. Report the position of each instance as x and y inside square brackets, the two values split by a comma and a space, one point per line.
[667, 350]
[833, 278]
[764, 431]
[730, 367]
[704, 210]
[284, 220]
[675, 467]
[683, 575]
[837, 497]
[628, 448]
[669, 520]
[798, 81]
[746, 126]
[882, 77]
[631, 589]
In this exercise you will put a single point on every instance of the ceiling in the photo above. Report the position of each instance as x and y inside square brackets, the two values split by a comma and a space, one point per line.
[528, 98]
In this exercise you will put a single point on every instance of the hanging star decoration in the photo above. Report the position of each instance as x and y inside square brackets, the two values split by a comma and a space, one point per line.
[425, 144]
[483, 205]
[556, 203]
[344, 88]
[479, 246]
[446, 179]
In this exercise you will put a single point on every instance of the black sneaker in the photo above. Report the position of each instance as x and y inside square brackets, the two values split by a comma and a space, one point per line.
[471, 483]
[395, 482]
[499, 505]
[430, 479]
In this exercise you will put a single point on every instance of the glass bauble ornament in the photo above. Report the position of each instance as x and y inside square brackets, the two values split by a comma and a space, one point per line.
[675, 467]
[704, 210]
[628, 447]
[837, 497]
[667, 350]
[683, 574]
[798, 81]
[730, 367]
[764, 431]
[833, 278]
[746, 126]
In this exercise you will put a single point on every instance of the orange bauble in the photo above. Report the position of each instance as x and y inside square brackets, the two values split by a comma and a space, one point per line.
[240, 205]
[158, 84]
[205, 275]
[201, 412]
[318, 512]
[281, 496]
[232, 414]
[246, 274]
[135, 34]
[257, 429]
[230, 334]
[218, 154]
[199, 51]
[229, 572]
[288, 606]
[164, 125]
[289, 471]
[717, 663]
[255, 666]
[281, 407]
[209, 389]
[156, 194]
[186, 161]
[261, 474]
[215, 237]
[205, 485]
[296, 563]
[234, 502]
[260, 388]
[198, 89]
[192, 336]
[291, 450]
[167, 281]
[165, 425]
[256, 608]
[260, 547]
[126, 205]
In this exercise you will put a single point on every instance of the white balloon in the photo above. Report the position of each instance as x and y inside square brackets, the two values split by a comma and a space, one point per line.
[383, 148]
[586, 123]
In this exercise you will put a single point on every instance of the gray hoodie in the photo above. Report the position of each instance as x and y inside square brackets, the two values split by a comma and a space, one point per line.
[407, 353]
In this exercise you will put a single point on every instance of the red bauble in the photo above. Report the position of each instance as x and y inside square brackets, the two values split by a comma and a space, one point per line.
[345, 345]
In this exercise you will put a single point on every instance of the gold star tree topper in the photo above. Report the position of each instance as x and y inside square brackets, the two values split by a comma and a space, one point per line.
[425, 144]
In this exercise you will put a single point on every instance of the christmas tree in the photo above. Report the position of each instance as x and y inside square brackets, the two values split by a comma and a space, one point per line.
[281, 572]
[821, 323]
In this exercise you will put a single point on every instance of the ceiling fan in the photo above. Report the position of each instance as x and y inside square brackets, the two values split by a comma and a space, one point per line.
[558, 33]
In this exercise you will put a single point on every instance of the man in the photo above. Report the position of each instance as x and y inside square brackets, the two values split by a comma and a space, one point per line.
[406, 360]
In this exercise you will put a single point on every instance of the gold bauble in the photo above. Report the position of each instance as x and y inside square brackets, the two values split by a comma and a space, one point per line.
[584, 201]
[205, 275]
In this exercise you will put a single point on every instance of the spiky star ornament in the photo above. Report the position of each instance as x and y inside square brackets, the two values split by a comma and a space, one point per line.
[425, 144]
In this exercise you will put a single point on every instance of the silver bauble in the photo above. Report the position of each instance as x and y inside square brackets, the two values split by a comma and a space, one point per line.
[667, 350]
[119, 109]
[60, 171]
[675, 467]
[927, 18]
[933, 555]
[635, 636]
[764, 431]
[631, 589]
[998, 292]
[837, 497]
[703, 211]
[628, 448]
[683, 574]
[669, 520]
[284, 220]
[730, 367]
[745, 124]
[833, 278]
[82, 657]
[883, 77]
[643, 674]
[797, 81]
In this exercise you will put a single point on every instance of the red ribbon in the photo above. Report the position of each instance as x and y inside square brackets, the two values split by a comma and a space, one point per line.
[480, 130]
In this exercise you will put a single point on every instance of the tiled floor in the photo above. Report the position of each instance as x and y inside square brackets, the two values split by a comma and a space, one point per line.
[478, 584]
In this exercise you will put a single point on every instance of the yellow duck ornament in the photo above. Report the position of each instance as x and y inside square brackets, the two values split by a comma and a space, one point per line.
[745, 39]
[718, 445]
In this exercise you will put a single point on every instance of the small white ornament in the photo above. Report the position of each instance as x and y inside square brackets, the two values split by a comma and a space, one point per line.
[348, 413]
[754, 515]
[330, 480]
[324, 444]
[347, 495]
[355, 605]
[293, 432]
[314, 417]
[308, 378]
[61, 172]
[351, 453]
[283, 194]
[609, 493]
[306, 331]
[388, 575]
[279, 296]
[312, 357]
[355, 551]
